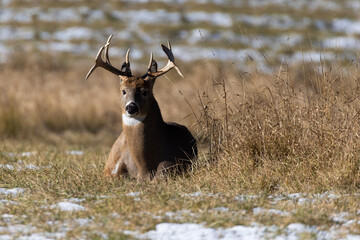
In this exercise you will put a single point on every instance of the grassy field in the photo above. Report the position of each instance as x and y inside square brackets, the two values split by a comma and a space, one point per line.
[276, 149]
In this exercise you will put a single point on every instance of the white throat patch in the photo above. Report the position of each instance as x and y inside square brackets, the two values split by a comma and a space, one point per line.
[132, 121]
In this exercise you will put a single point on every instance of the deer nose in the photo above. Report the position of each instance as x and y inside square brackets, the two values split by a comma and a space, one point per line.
[132, 108]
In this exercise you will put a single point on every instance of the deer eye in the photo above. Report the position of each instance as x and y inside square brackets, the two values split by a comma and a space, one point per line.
[123, 92]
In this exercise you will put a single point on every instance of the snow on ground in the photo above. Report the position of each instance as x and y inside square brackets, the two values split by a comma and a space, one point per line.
[20, 166]
[21, 154]
[74, 152]
[208, 28]
[76, 200]
[184, 231]
[12, 192]
[68, 207]
[187, 230]
[200, 194]
[133, 194]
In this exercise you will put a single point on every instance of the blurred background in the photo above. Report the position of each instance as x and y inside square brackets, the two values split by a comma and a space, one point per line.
[223, 30]
[46, 48]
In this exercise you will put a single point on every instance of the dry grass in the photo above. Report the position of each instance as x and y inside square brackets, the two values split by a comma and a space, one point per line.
[295, 130]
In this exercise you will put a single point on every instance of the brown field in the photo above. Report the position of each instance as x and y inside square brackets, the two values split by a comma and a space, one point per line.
[295, 130]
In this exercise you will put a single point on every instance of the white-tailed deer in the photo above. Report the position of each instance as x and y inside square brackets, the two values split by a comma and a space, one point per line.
[147, 146]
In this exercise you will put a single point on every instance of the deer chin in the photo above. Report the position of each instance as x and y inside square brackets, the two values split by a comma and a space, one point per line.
[132, 120]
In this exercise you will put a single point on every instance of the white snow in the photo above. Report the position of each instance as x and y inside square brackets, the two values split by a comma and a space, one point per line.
[31, 167]
[134, 17]
[7, 166]
[22, 154]
[64, 47]
[346, 26]
[342, 43]
[20, 167]
[6, 202]
[68, 207]
[184, 231]
[82, 221]
[27, 154]
[74, 152]
[312, 56]
[200, 194]
[7, 218]
[17, 228]
[242, 198]
[341, 217]
[221, 209]
[74, 33]
[283, 22]
[216, 18]
[194, 194]
[76, 200]
[133, 194]
[12, 192]
[59, 15]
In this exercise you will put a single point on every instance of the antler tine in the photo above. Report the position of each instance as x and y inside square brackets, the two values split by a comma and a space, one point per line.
[169, 45]
[99, 62]
[170, 64]
[127, 57]
[107, 49]
[151, 60]
[97, 59]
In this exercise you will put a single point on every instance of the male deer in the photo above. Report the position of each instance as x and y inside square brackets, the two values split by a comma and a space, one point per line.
[147, 147]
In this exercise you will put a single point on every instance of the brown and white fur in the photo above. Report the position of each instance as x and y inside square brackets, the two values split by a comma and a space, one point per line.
[147, 147]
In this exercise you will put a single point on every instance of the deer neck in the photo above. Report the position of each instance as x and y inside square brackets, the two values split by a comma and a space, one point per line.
[141, 137]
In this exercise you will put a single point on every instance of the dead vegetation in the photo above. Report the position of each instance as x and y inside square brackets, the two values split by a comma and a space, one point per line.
[293, 130]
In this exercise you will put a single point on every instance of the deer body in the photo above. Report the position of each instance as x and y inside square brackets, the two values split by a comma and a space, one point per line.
[148, 147]
[144, 157]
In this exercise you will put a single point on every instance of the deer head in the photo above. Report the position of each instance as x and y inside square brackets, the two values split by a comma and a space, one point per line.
[137, 92]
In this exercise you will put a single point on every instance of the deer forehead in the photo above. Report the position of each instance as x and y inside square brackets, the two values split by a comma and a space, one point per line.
[135, 82]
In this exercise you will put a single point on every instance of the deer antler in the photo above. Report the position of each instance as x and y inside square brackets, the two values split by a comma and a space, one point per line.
[99, 62]
[170, 64]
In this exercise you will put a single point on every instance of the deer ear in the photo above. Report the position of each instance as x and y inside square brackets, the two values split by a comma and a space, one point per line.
[126, 68]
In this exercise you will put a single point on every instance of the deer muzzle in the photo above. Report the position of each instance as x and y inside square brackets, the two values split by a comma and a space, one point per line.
[132, 109]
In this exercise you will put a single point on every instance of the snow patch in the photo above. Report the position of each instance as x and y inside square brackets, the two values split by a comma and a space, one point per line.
[68, 207]
[243, 198]
[76, 200]
[133, 194]
[175, 231]
[6, 202]
[73, 33]
[341, 217]
[216, 18]
[221, 209]
[12, 192]
[7, 166]
[346, 26]
[74, 152]
[199, 194]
